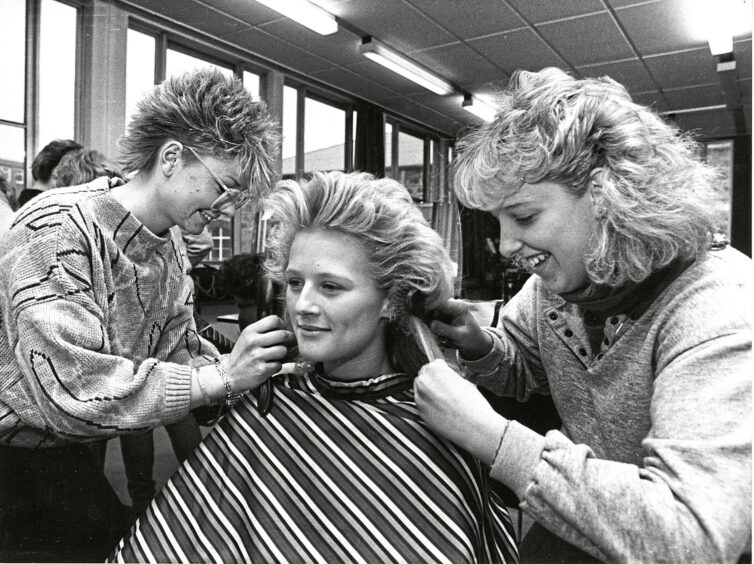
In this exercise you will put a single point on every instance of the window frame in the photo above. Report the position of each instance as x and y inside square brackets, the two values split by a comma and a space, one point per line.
[304, 91]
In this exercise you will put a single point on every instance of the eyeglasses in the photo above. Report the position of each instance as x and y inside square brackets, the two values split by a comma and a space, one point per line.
[237, 198]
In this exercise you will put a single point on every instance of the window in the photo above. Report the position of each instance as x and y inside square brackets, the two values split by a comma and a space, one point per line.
[405, 159]
[12, 63]
[23, 128]
[57, 72]
[324, 136]
[290, 127]
[177, 62]
[222, 241]
[411, 164]
[12, 94]
[140, 57]
[251, 82]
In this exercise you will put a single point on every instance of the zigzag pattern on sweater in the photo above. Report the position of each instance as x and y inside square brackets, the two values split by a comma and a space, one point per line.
[98, 332]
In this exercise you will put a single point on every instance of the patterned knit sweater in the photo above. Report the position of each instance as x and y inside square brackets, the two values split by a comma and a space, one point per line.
[653, 463]
[96, 328]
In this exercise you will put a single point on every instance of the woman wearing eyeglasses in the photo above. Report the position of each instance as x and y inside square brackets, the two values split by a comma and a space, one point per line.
[98, 337]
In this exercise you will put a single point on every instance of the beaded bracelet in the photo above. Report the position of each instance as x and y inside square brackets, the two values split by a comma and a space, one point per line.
[230, 397]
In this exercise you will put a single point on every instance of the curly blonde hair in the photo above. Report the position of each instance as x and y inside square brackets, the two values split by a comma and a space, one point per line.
[405, 256]
[214, 114]
[552, 127]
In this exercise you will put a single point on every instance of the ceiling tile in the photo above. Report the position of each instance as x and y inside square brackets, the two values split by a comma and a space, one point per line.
[477, 45]
[380, 75]
[195, 15]
[395, 23]
[460, 64]
[626, 3]
[480, 17]
[340, 48]
[587, 40]
[742, 52]
[520, 49]
[354, 84]
[658, 27]
[451, 106]
[651, 98]
[717, 123]
[687, 68]
[414, 110]
[279, 51]
[695, 96]
[745, 85]
[630, 74]
[252, 13]
[538, 11]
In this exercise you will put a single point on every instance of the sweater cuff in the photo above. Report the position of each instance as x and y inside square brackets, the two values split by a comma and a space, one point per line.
[177, 391]
[488, 363]
[519, 452]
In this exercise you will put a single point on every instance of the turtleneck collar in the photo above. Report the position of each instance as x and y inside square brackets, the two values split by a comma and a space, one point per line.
[370, 388]
[129, 233]
[598, 301]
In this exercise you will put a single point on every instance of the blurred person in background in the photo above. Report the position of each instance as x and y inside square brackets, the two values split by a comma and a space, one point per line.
[43, 165]
[81, 166]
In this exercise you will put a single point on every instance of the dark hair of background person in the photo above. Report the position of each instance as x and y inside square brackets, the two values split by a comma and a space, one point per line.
[49, 157]
[239, 275]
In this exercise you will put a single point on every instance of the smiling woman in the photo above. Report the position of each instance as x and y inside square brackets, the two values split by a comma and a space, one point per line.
[341, 469]
[636, 325]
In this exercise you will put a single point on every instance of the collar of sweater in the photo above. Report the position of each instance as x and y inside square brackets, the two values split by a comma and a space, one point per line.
[371, 388]
[133, 239]
[599, 302]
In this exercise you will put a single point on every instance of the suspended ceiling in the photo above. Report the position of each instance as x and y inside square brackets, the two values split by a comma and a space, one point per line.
[477, 44]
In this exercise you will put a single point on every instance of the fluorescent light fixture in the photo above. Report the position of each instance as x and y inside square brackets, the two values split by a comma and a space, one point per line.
[305, 13]
[717, 22]
[478, 108]
[720, 42]
[380, 53]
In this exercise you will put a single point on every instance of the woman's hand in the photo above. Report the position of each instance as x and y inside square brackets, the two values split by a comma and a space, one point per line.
[454, 323]
[258, 353]
[455, 409]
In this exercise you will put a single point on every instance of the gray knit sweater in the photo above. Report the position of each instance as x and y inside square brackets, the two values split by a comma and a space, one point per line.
[653, 463]
[97, 334]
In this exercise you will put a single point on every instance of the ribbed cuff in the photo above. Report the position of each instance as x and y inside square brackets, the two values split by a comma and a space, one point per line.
[177, 391]
[519, 452]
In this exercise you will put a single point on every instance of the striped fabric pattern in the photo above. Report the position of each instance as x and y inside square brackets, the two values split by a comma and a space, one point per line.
[325, 477]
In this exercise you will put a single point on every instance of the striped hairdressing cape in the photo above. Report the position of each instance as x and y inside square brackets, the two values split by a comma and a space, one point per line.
[337, 472]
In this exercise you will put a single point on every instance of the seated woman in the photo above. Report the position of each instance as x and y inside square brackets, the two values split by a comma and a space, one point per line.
[342, 468]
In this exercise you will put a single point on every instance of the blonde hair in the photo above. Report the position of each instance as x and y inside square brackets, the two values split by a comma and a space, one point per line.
[551, 127]
[405, 256]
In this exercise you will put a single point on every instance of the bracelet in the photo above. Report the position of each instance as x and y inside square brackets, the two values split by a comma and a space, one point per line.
[205, 395]
[230, 397]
